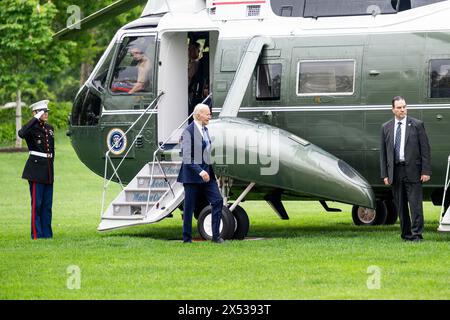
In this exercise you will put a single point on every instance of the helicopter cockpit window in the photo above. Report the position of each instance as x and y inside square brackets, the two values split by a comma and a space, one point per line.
[133, 70]
[325, 77]
[100, 77]
[268, 81]
[440, 78]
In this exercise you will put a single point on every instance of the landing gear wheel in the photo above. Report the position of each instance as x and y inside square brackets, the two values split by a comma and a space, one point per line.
[242, 222]
[369, 217]
[227, 224]
[392, 214]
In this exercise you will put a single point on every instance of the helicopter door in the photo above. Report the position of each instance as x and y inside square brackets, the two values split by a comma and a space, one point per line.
[173, 79]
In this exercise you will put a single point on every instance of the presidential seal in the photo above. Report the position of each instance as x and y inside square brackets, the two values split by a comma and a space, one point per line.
[114, 141]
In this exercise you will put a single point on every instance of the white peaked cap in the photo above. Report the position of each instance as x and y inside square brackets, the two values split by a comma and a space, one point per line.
[40, 105]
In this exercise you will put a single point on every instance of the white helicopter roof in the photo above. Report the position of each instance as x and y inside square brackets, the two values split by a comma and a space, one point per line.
[237, 18]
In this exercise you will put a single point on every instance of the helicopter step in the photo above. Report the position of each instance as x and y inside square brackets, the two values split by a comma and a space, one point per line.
[444, 221]
[444, 225]
[158, 181]
[152, 195]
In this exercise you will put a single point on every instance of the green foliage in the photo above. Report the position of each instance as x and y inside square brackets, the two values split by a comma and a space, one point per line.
[7, 127]
[44, 68]
[88, 45]
[59, 113]
[29, 56]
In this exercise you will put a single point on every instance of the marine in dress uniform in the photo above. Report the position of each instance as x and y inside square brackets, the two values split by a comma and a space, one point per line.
[38, 170]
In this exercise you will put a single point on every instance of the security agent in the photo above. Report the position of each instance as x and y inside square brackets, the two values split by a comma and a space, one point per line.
[38, 170]
[405, 159]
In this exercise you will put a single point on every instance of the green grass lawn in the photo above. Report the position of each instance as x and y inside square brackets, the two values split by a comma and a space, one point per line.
[314, 255]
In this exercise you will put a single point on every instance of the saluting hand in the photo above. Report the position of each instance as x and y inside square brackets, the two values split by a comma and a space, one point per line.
[39, 114]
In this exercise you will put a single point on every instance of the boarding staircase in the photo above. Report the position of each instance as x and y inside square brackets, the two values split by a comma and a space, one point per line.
[151, 196]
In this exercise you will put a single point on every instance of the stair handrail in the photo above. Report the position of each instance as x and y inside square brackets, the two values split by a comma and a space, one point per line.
[153, 104]
[155, 158]
[446, 184]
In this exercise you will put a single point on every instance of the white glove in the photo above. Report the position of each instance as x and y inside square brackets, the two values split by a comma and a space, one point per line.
[39, 114]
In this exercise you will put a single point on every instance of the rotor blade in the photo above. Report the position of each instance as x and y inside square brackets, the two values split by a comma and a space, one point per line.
[98, 17]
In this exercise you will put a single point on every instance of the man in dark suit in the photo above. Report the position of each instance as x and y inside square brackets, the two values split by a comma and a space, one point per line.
[405, 161]
[197, 173]
[39, 169]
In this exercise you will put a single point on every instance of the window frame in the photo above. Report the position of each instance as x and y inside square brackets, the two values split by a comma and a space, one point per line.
[325, 93]
[113, 64]
[257, 82]
[429, 71]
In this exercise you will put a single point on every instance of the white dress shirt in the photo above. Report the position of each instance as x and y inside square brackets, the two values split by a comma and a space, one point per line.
[402, 138]
[200, 128]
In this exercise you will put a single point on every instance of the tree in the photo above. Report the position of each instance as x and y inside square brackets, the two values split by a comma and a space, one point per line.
[29, 57]
[90, 43]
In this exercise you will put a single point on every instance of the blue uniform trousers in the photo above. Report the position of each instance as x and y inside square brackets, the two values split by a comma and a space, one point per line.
[41, 210]
[211, 191]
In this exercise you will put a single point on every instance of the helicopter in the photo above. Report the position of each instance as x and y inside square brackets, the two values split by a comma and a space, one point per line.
[298, 90]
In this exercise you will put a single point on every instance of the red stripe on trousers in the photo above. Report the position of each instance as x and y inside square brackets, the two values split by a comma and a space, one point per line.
[33, 211]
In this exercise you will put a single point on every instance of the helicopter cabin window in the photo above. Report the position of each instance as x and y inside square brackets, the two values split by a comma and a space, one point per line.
[440, 78]
[420, 3]
[133, 70]
[332, 8]
[325, 77]
[268, 81]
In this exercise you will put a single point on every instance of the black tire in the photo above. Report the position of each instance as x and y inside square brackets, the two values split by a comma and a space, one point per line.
[227, 223]
[392, 214]
[369, 217]
[242, 222]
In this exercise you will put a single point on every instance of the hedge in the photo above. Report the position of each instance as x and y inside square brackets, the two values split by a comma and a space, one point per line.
[59, 112]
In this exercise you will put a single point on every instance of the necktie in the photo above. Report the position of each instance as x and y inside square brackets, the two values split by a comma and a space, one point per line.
[398, 136]
[205, 136]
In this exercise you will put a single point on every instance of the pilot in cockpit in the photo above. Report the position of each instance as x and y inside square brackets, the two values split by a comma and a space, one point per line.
[143, 69]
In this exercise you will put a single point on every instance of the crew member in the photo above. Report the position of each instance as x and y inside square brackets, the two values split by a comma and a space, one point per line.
[143, 67]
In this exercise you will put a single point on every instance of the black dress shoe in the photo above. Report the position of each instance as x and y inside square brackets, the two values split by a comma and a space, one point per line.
[417, 239]
[218, 240]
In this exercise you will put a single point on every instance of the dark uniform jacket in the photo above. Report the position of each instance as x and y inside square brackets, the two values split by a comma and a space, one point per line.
[39, 137]
[417, 150]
